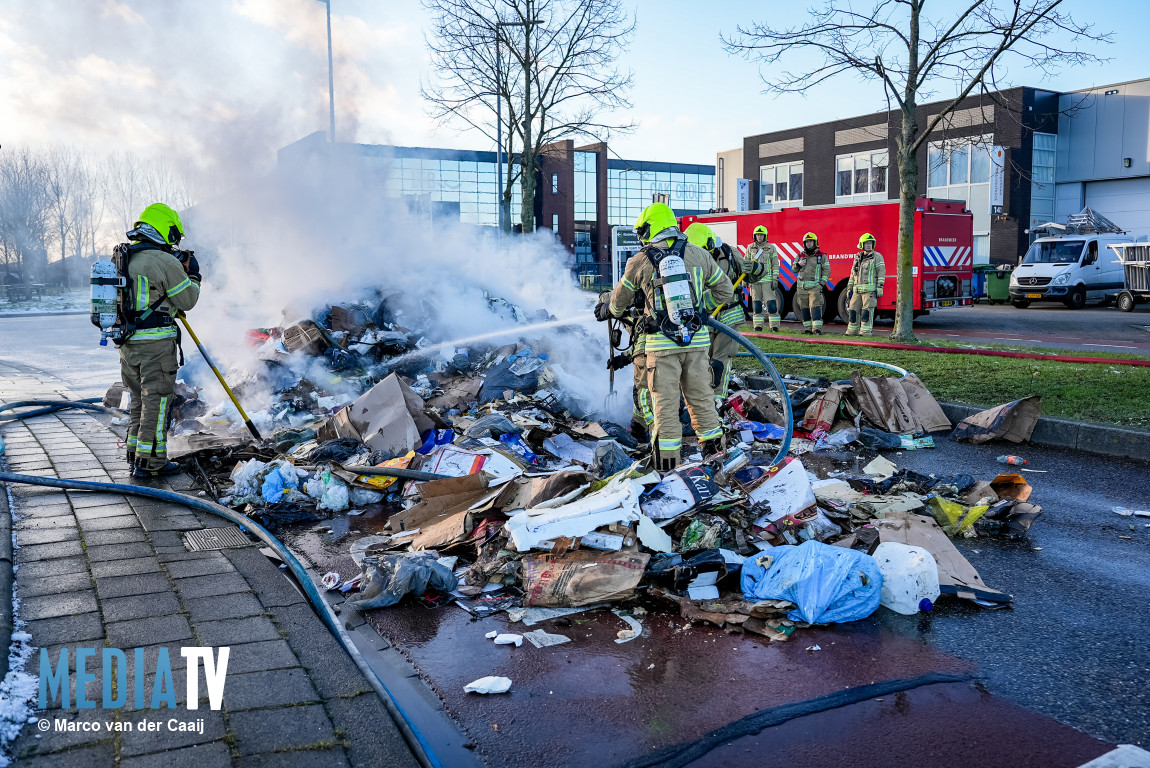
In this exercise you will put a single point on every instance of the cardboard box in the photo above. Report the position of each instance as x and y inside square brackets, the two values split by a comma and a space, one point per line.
[389, 417]
[304, 337]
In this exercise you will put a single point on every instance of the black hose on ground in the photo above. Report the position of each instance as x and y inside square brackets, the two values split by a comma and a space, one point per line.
[87, 404]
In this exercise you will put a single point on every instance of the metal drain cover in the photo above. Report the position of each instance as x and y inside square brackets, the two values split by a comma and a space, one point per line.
[228, 537]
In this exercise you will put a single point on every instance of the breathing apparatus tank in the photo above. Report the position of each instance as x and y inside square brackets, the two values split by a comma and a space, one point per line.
[679, 320]
[107, 282]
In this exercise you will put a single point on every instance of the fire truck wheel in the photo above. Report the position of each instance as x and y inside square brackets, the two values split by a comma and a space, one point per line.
[842, 308]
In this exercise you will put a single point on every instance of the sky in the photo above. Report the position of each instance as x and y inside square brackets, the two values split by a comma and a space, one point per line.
[227, 82]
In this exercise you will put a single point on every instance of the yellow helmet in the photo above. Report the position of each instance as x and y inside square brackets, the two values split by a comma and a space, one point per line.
[164, 220]
[811, 236]
[759, 230]
[655, 219]
[867, 237]
[703, 236]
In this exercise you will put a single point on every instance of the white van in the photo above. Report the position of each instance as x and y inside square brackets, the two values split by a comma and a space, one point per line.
[1073, 269]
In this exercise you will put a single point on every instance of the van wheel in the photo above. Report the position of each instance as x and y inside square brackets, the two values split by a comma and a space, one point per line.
[1126, 301]
[1077, 297]
[1020, 303]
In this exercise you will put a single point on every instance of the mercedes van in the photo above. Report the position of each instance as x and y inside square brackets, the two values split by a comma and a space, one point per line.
[1072, 269]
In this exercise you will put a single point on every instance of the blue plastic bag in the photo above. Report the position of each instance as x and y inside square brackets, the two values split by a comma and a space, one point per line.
[521, 449]
[828, 585]
[277, 482]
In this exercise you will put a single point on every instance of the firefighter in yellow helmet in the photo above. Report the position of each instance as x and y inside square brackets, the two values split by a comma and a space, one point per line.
[676, 280]
[765, 292]
[735, 267]
[812, 269]
[161, 282]
[864, 288]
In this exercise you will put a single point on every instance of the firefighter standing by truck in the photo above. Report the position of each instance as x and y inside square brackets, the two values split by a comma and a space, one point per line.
[812, 269]
[864, 288]
[676, 279]
[735, 267]
[765, 294]
[161, 281]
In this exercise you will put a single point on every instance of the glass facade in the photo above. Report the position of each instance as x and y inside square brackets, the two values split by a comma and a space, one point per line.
[960, 170]
[586, 186]
[1042, 179]
[631, 186]
[469, 184]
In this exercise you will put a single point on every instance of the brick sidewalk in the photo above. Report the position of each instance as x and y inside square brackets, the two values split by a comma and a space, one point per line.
[111, 570]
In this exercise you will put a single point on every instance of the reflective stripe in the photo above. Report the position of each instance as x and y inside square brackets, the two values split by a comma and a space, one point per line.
[151, 334]
[180, 287]
[132, 441]
[143, 447]
[629, 284]
[711, 434]
[670, 445]
[142, 293]
[657, 342]
[731, 316]
[643, 410]
[715, 277]
[161, 421]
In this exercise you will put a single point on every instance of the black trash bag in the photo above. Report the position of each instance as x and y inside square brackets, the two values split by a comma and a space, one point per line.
[334, 450]
[500, 379]
[493, 425]
[1008, 518]
[387, 578]
[282, 513]
[391, 343]
[801, 399]
[877, 439]
[610, 459]
[619, 434]
[679, 570]
[958, 483]
[285, 439]
[341, 360]
[906, 480]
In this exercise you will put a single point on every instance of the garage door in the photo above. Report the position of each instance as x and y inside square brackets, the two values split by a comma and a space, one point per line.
[1126, 202]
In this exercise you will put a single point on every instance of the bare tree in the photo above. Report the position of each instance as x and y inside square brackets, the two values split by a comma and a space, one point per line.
[914, 56]
[551, 63]
[25, 212]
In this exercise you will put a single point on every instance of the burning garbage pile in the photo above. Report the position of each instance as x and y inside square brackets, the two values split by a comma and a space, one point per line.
[503, 489]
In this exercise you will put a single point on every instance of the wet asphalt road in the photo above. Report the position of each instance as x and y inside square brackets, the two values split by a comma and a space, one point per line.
[1073, 647]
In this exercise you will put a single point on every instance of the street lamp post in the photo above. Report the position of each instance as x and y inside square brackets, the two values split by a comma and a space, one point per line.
[330, 77]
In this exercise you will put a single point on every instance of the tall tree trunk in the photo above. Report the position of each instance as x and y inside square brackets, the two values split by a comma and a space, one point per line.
[907, 193]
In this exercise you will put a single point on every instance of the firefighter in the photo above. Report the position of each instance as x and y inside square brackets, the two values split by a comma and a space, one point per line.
[812, 268]
[765, 293]
[864, 289]
[676, 280]
[161, 282]
[734, 266]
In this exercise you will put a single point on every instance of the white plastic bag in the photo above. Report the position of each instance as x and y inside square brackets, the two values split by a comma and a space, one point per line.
[909, 576]
[329, 490]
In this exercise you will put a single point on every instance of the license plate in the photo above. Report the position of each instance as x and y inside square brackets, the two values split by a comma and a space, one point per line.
[946, 303]
[1034, 295]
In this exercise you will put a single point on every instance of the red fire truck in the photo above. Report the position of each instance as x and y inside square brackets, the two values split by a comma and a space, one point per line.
[943, 247]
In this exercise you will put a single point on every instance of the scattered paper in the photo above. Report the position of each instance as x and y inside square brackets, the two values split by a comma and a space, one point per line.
[492, 635]
[814, 648]
[1132, 512]
[489, 684]
[881, 468]
[652, 536]
[509, 639]
[543, 639]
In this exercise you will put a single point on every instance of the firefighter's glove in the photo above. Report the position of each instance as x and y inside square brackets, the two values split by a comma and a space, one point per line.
[190, 265]
[602, 311]
[619, 362]
[878, 294]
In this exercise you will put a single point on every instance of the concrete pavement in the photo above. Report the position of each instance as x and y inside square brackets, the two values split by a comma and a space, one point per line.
[109, 570]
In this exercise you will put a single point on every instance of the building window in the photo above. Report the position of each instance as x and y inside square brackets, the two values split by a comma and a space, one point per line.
[554, 222]
[720, 177]
[861, 177]
[960, 170]
[586, 187]
[781, 185]
[554, 183]
[1042, 178]
[464, 189]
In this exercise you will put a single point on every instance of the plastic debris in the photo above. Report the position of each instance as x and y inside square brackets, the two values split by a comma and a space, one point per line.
[827, 584]
[489, 684]
[543, 639]
[627, 635]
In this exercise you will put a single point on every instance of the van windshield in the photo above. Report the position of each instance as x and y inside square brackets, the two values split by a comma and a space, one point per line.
[1054, 252]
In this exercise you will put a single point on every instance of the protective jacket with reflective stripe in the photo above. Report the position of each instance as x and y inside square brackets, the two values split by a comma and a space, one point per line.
[868, 273]
[153, 274]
